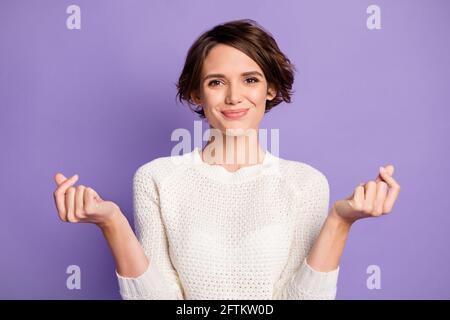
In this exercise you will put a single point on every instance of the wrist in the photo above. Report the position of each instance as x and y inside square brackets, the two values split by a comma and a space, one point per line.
[115, 220]
[339, 221]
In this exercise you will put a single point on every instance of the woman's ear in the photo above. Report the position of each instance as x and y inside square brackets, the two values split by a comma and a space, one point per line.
[271, 92]
[195, 97]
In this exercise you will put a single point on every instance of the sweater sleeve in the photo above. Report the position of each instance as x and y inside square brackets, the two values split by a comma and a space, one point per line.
[160, 281]
[299, 281]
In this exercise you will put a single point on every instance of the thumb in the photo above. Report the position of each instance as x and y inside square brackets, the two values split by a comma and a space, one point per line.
[389, 170]
[59, 178]
[100, 206]
[350, 197]
[93, 201]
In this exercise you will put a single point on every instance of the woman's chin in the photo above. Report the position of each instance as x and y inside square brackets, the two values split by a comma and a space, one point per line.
[234, 128]
[238, 130]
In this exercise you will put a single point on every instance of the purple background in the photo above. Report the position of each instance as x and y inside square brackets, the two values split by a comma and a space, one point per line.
[100, 102]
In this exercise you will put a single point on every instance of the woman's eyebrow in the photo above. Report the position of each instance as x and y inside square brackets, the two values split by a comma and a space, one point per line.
[219, 75]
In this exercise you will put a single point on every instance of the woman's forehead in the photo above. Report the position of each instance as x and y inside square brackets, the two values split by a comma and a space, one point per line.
[227, 60]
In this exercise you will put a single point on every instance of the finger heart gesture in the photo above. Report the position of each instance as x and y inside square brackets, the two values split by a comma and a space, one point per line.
[81, 203]
[371, 199]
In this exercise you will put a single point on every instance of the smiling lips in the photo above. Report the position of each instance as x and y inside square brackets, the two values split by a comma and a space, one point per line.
[235, 114]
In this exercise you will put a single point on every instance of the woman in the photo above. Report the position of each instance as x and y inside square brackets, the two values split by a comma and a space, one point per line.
[210, 226]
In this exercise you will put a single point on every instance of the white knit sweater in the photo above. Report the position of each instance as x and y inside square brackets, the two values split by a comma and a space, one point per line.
[214, 234]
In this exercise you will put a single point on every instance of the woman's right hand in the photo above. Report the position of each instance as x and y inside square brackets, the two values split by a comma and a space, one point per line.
[81, 203]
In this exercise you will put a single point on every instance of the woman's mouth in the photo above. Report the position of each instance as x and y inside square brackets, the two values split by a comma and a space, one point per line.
[235, 114]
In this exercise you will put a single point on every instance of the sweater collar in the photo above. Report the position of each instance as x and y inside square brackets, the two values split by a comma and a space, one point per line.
[270, 165]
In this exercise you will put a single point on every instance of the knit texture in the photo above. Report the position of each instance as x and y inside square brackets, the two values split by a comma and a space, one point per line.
[213, 234]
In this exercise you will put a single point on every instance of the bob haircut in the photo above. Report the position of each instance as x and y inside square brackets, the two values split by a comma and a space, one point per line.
[249, 37]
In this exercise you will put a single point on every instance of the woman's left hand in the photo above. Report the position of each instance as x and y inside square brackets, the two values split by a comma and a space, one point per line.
[371, 199]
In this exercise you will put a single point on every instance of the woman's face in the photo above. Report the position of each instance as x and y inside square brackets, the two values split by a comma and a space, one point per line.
[233, 90]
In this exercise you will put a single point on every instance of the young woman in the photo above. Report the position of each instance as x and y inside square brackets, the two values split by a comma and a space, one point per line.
[211, 227]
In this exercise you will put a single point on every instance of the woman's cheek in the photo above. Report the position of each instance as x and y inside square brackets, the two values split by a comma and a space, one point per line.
[259, 98]
[214, 100]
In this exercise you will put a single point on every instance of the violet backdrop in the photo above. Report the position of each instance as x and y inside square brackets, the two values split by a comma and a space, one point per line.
[100, 102]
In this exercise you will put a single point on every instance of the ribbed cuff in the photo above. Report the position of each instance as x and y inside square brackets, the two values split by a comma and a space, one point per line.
[149, 285]
[316, 283]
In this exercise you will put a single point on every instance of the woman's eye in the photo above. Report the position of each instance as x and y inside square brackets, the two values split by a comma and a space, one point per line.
[213, 83]
[254, 80]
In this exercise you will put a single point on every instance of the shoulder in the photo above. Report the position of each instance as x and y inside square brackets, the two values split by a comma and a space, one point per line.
[312, 190]
[306, 180]
[304, 176]
[160, 168]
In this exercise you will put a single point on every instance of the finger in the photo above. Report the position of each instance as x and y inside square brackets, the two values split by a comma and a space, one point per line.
[59, 178]
[70, 204]
[79, 203]
[90, 203]
[62, 188]
[59, 196]
[380, 198]
[61, 207]
[394, 190]
[389, 179]
[369, 196]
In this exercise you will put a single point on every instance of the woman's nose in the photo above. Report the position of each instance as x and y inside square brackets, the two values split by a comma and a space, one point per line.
[233, 94]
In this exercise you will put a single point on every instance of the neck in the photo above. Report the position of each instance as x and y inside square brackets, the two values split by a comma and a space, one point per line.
[233, 151]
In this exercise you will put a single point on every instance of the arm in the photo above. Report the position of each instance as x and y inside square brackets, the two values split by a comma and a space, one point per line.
[368, 200]
[316, 278]
[128, 254]
[138, 279]
[159, 280]
[317, 275]
[299, 280]
[326, 252]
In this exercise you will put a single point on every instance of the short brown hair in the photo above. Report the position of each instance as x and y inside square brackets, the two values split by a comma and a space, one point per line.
[249, 37]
